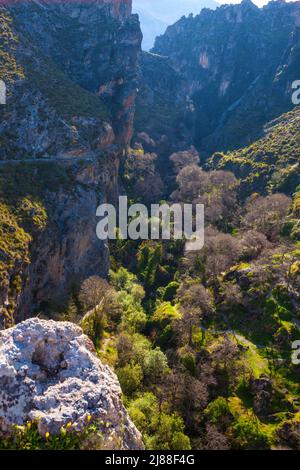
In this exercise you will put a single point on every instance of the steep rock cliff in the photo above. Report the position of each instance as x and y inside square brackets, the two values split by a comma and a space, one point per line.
[163, 109]
[71, 75]
[236, 64]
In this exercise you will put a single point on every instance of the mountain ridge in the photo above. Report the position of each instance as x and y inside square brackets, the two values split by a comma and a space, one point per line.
[209, 52]
[156, 16]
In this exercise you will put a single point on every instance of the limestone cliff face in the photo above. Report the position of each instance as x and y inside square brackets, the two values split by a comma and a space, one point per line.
[49, 374]
[163, 107]
[67, 250]
[71, 75]
[236, 64]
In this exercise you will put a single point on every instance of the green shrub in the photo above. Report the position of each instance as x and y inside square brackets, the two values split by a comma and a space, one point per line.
[155, 365]
[167, 433]
[130, 378]
[218, 410]
[170, 291]
[247, 434]
[28, 437]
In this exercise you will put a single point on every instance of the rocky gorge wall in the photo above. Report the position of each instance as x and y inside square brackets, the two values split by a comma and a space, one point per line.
[235, 67]
[71, 75]
[50, 376]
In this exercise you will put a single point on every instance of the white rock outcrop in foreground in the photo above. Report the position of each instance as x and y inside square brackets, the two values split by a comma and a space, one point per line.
[49, 372]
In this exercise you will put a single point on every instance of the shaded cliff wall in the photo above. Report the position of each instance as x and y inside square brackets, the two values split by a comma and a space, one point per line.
[236, 64]
[71, 75]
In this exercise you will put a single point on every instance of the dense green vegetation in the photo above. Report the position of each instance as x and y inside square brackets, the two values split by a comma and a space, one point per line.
[14, 248]
[26, 211]
[202, 342]
[67, 98]
[270, 164]
[29, 437]
[10, 70]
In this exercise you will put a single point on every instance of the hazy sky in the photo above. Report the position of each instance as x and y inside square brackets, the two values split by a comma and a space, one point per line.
[259, 3]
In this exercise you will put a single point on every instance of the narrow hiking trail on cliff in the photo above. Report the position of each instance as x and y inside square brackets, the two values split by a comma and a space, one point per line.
[88, 157]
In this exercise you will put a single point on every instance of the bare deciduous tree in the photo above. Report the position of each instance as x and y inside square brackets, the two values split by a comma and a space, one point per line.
[191, 180]
[267, 214]
[195, 304]
[186, 158]
[252, 244]
[222, 251]
[217, 190]
[93, 290]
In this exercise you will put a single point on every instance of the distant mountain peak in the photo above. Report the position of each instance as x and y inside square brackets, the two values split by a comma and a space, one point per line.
[156, 15]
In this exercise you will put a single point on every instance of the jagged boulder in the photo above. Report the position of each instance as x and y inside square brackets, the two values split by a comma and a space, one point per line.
[49, 373]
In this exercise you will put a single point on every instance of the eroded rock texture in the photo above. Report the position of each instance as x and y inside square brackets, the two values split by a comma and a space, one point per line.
[50, 373]
[71, 73]
[235, 64]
